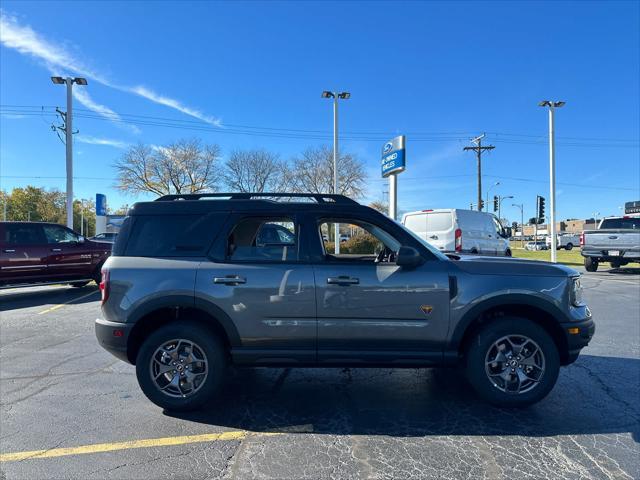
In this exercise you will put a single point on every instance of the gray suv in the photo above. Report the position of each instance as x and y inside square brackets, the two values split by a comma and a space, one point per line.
[198, 282]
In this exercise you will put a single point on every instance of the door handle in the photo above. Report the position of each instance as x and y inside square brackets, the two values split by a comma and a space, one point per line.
[9, 250]
[56, 249]
[230, 280]
[343, 280]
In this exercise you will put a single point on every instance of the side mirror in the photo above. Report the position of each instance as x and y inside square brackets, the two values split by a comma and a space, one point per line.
[408, 257]
[81, 239]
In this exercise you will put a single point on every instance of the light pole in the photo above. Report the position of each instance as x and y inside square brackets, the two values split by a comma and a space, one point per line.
[336, 96]
[521, 207]
[595, 218]
[552, 173]
[488, 190]
[68, 128]
[500, 199]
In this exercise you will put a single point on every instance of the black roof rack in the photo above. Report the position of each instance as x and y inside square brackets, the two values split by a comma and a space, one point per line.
[318, 197]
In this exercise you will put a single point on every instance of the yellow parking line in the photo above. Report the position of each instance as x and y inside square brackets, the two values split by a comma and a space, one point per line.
[56, 307]
[147, 443]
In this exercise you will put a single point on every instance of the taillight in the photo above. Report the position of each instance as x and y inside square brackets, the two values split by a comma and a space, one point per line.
[581, 239]
[104, 286]
[458, 240]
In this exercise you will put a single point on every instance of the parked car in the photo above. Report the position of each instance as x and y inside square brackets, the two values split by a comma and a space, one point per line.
[204, 294]
[539, 245]
[564, 240]
[616, 240]
[460, 231]
[36, 253]
[106, 237]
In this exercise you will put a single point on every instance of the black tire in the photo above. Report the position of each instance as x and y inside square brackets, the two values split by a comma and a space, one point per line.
[616, 264]
[78, 284]
[568, 246]
[479, 349]
[215, 355]
[590, 265]
[97, 274]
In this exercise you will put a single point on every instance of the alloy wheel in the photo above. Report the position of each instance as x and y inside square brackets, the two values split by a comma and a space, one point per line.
[179, 368]
[515, 364]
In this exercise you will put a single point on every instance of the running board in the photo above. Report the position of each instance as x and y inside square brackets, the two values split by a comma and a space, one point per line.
[42, 284]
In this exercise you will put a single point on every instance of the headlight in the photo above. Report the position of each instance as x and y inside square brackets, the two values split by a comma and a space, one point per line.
[576, 292]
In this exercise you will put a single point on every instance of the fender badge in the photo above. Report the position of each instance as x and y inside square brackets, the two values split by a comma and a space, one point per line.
[426, 309]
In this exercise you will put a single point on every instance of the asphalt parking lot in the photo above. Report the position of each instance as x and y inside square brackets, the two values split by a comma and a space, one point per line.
[70, 410]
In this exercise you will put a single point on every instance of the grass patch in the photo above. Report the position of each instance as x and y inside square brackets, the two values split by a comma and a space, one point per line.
[572, 257]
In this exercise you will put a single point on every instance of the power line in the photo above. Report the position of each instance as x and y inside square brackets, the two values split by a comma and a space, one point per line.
[242, 129]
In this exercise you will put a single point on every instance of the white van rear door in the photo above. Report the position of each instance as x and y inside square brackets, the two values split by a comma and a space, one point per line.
[440, 231]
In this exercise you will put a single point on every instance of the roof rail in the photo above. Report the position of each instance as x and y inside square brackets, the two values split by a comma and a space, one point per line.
[318, 197]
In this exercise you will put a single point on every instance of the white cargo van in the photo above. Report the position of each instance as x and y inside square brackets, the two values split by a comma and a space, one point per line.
[460, 231]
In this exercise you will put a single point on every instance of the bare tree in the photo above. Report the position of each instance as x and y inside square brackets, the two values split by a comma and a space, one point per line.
[313, 172]
[255, 171]
[182, 167]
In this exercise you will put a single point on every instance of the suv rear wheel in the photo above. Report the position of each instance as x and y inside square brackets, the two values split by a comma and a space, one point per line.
[181, 366]
[512, 362]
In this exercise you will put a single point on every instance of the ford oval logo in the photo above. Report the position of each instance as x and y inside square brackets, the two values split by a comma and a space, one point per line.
[387, 147]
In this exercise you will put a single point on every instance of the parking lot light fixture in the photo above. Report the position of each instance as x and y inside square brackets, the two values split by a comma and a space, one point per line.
[335, 96]
[552, 105]
[68, 129]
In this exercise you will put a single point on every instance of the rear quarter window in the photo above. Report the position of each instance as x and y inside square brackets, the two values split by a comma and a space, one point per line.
[169, 235]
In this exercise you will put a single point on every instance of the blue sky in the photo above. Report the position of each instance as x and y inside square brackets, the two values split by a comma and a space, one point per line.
[438, 72]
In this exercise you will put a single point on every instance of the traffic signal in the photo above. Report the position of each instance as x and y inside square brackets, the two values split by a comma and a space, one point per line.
[481, 205]
[496, 203]
[514, 225]
[541, 208]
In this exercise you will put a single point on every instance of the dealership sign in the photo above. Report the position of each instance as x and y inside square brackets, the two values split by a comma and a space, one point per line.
[101, 204]
[393, 157]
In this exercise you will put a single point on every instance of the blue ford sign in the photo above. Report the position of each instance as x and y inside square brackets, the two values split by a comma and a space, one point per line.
[393, 158]
[101, 204]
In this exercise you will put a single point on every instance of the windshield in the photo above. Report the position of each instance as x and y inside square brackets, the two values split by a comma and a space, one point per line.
[426, 245]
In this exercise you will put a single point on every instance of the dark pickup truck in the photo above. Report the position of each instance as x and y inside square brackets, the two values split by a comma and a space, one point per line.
[46, 253]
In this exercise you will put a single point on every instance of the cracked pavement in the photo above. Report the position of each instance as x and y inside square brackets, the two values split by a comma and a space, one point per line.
[58, 388]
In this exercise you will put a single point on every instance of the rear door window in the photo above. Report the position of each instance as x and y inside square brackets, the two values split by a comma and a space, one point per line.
[23, 234]
[439, 221]
[172, 235]
[263, 239]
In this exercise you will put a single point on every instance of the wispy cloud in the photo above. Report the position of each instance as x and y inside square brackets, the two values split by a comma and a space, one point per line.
[100, 141]
[59, 60]
[175, 104]
[13, 116]
[85, 99]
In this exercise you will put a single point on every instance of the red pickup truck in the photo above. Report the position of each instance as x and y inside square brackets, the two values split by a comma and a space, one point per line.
[46, 253]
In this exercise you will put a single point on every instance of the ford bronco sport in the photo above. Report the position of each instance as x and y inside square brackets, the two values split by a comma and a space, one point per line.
[198, 282]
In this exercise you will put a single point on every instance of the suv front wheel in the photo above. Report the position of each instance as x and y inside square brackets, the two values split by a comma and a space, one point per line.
[180, 367]
[512, 362]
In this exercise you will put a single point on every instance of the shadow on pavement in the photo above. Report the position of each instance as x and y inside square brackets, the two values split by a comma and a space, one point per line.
[596, 395]
[16, 299]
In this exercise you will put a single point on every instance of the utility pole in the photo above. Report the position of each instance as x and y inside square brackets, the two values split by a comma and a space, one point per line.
[68, 130]
[479, 149]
